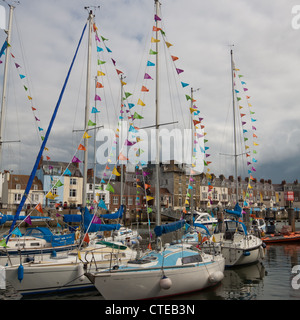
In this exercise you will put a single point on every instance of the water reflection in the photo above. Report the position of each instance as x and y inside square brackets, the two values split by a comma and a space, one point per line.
[239, 283]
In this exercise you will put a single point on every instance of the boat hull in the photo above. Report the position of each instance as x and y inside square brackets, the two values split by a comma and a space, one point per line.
[282, 238]
[145, 284]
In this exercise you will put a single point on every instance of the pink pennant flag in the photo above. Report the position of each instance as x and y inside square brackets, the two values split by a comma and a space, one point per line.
[113, 61]
[245, 89]
[129, 143]
[96, 220]
[253, 169]
[145, 173]
[28, 220]
[157, 18]
[253, 128]
[97, 38]
[147, 76]
[97, 97]
[179, 70]
[17, 65]
[75, 160]
[37, 119]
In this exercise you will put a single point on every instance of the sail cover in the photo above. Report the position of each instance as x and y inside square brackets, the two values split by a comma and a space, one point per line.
[170, 227]
[116, 215]
[237, 211]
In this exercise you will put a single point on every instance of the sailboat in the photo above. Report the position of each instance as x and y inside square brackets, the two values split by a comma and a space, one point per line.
[36, 243]
[67, 272]
[166, 271]
[232, 237]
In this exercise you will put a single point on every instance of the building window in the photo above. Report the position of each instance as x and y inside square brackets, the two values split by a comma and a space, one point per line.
[18, 186]
[73, 181]
[204, 195]
[18, 197]
[35, 187]
[90, 186]
[72, 193]
[130, 201]
[115, 200]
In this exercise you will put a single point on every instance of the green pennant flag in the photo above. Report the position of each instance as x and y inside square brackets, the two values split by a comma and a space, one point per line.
[3, 243]
[149, 210]
[188, 97]
[137, 116]
[162, 32]
[205, 140]
[104, 39]
[152, 52]
[91, 123]
[127, 94]
[109, 188]
[188, 195]
[25, 88]
[101, 62]
[58, 184]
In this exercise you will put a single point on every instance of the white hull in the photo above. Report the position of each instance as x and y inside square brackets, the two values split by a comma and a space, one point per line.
[145, 284]
[62, 274]
[241, 250]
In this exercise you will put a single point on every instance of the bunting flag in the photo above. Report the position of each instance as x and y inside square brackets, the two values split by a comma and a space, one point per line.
[51, 196]
[102, 204]
[109, 188]
[116, 172]
[86, 136]
[17, 232]
[67, 172]
[76, 160]
[39, 208]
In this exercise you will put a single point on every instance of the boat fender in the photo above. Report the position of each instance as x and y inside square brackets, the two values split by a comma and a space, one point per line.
[53, 254]
[20, 272]
[246, 253]
[216, 277]
[165, 283]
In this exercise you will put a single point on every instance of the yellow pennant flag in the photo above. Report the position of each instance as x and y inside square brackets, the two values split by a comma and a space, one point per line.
[30, 98]
[193, 110]
[116, 172]
[149, 198]
[86, 136]
[255, 144]
[168, 44]
[141, 103]
[154, 40]
[51, 196]
[100, 73]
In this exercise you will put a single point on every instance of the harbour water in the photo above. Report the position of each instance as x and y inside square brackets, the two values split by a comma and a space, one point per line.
[269, 280]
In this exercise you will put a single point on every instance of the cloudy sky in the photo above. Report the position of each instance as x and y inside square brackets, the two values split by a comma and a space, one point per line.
[266, 50]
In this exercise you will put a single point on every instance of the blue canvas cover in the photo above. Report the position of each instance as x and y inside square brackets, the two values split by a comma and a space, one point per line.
[170, 227]
[116, 215]
[237, 211]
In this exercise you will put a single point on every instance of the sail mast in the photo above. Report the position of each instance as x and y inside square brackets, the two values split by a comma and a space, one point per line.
[87, 103]
[122, 166]
[11, 8]
[234, 127]
[157, 166]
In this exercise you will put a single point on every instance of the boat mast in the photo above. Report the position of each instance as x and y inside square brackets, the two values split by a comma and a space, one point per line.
[2, 115]
[87, 103]
[157, 166]
[192, 153]
[122, 167]
[234, 128]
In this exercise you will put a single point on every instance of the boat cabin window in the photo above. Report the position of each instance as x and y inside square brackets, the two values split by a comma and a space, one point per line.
[192, 259]
[20, 244]
[34, 244]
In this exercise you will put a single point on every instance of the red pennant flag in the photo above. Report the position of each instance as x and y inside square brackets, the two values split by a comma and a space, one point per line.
[81, 147]
[174, 58]
[39, 208]
[99, 85]
[118, 71]
[86, 238]
[144, 89]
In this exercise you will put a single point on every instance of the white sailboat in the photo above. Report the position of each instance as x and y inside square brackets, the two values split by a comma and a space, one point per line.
[36, 243]
[172, 270]
[60, 273]
[232, 238]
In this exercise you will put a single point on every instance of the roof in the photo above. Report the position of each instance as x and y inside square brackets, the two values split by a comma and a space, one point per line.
[58, 168]
[22, 180]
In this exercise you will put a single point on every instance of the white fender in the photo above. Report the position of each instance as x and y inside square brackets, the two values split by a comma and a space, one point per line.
[165, 283]
[216, 276]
